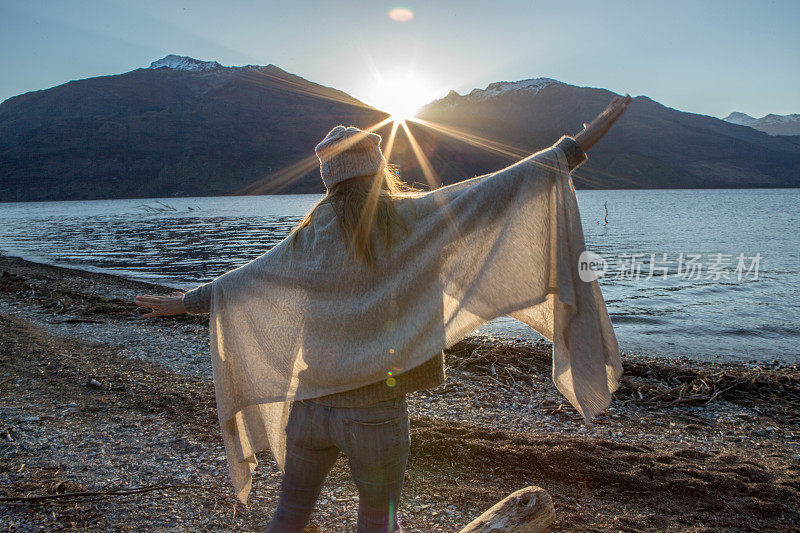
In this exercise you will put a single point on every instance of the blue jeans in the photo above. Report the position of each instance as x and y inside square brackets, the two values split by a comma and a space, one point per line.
[376, 441]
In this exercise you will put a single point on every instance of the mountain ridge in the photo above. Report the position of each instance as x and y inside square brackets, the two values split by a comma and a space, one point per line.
[165, 132]
[772, 124]
[652, 146]
[187, 127]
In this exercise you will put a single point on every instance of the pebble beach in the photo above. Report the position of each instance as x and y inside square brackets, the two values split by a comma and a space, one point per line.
[108, 421]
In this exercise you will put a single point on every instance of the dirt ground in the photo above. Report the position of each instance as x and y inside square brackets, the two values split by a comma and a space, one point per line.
[92, 439]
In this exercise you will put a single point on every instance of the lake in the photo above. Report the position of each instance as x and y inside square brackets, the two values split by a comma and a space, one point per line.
[705, 274]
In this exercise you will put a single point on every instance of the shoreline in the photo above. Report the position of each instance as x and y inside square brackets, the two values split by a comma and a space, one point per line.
[114, 276]
[778, 189]
[41, 262]
[685, 445]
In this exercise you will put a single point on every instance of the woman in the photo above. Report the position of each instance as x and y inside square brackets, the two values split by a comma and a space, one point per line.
[368, 423]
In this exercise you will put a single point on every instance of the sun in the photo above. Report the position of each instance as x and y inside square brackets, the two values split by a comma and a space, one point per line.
[399, 93]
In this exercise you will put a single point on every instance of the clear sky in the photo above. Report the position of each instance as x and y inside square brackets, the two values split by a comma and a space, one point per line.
[709, 57]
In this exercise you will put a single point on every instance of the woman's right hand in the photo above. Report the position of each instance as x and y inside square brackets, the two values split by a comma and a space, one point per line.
[596, 129]
[161, 305]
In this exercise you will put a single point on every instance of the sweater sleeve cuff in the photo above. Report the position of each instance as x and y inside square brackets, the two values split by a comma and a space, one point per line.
[573, 151]
[198, 300]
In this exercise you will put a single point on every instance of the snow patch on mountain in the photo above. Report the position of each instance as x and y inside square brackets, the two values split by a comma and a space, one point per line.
[191, 64]
[185, 63]
[772, 124]
[741, 119]
[531, 86]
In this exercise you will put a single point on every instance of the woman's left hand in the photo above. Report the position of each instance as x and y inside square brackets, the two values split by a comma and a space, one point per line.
[596, 129]
[162, 305]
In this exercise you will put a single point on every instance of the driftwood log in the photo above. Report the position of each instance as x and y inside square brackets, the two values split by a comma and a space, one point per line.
[529, 510]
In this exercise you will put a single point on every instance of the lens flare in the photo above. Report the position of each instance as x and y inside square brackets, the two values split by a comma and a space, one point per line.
[401, 14]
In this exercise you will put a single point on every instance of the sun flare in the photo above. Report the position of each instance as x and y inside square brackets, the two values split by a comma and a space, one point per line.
[401, 94]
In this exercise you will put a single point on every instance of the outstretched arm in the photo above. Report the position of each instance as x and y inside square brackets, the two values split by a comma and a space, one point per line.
[198, 300]
[596, 129]
[575, 148]
[161, 305]
[195, 302]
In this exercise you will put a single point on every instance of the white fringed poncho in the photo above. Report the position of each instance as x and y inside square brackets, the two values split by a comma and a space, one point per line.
[292, 325]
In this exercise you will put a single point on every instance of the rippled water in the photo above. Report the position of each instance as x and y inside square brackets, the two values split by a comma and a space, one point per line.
[185, 241]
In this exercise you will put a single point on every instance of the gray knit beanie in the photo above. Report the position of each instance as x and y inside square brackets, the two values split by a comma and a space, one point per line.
[345, 153]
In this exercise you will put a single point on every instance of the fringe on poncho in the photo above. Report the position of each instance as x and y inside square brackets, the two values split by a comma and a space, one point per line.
[300, 323]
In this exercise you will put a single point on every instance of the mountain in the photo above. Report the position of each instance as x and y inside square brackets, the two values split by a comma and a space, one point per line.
[651, 146]
[181, 127]
[185, 127]
[772, 124]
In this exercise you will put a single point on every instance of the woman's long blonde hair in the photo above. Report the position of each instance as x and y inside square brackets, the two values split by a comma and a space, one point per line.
[361, 206]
